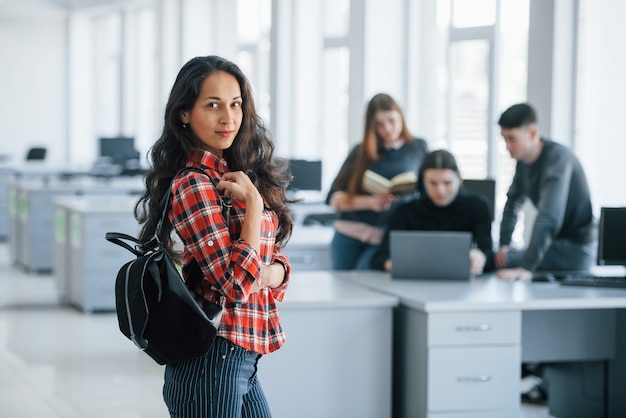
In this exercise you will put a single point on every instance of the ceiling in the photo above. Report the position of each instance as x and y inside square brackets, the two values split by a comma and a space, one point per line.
[46, 8]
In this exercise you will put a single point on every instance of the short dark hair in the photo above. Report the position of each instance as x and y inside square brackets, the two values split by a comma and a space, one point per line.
[440, 159]
[518, 115]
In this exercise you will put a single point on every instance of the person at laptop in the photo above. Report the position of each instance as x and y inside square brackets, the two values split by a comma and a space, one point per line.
[387, 149]
[444, 207]
[553, 179]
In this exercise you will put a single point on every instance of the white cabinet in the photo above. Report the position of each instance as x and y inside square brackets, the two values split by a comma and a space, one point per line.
[458, 364]
[86, 264]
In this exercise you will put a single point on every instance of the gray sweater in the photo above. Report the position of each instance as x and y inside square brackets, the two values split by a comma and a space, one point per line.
[557, 186]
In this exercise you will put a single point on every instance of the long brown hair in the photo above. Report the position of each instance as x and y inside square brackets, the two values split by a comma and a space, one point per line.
[252, 150]
[372, 144]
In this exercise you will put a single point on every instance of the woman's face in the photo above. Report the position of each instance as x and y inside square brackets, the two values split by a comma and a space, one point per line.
[442, 185]
[216, 116]
[388, 125]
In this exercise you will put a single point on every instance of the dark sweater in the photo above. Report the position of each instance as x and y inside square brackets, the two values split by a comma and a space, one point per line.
[468, 212]
[556, 185]
[409, 157]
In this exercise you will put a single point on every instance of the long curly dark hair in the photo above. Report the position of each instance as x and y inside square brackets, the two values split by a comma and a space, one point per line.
[251, 152]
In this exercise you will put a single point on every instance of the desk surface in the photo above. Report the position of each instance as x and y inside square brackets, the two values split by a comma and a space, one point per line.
[97, 203]
[487, 294]
[321, 289]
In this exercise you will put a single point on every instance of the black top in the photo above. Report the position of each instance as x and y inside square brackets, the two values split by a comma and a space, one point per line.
[556, 185]
[391, 162]
[468, 212]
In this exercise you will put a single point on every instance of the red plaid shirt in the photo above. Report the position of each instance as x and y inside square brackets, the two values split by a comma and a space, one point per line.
[230, 266]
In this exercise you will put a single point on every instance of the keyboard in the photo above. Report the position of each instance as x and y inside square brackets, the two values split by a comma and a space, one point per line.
[594, 281]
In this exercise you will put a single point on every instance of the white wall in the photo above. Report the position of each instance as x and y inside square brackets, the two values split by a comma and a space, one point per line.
[35, 99]
[33, 85]
[601, 144]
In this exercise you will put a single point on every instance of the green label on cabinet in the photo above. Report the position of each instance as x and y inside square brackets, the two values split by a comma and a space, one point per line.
[75, 231]
[59, 226]
[22, 206]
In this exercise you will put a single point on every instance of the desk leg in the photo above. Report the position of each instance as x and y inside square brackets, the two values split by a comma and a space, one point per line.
[617, 371]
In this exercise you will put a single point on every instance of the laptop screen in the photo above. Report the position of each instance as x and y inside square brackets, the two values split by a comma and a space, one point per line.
[430, 255]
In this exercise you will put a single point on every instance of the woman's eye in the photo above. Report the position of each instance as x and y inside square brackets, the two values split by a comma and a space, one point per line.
[237, 104]
[212, 105]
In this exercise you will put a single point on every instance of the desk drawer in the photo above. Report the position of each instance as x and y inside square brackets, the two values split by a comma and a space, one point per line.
[474, 328]
[473, 378]
[309, 259]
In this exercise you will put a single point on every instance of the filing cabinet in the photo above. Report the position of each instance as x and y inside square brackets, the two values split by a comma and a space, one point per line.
[458, 364]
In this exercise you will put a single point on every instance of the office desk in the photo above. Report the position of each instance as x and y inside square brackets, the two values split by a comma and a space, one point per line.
[459, 345]
[31, 238]
[309, 247]
[336, 362]
[85, 264]
[6, 174]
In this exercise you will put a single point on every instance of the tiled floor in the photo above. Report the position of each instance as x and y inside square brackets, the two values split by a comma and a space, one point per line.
[56, 362]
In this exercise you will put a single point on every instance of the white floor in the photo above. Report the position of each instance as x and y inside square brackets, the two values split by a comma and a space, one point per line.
[57, 362]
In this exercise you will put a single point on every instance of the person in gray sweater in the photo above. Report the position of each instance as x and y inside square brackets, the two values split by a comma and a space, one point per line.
[551, 176]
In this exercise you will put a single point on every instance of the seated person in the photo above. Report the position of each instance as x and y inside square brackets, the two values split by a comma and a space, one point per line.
[444, 207]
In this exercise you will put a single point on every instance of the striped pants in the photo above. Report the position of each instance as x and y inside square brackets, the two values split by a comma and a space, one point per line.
[221, 384]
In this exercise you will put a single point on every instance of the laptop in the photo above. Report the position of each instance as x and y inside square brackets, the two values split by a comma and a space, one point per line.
[430, 255]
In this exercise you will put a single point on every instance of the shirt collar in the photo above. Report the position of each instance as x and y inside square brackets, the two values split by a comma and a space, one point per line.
[203, 158]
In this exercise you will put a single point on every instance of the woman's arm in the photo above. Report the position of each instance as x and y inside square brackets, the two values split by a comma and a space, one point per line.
[343, 202]
[237, 185]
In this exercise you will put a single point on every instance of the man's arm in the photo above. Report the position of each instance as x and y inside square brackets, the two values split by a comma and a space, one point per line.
[550, 210]
[514, 199]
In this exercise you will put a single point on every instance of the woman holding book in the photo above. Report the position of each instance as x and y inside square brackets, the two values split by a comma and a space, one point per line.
[360, 194]
[443, 207]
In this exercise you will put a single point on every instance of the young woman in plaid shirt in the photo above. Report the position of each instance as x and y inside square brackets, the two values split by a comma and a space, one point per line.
[211, 123]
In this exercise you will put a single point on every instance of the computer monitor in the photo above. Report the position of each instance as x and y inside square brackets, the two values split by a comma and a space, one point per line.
[119, 148]
[485, 187]
[307, 175]
[612, 237]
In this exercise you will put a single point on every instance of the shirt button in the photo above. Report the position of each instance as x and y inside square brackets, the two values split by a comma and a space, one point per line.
[269, 234]
[223, 357]
[210, 243]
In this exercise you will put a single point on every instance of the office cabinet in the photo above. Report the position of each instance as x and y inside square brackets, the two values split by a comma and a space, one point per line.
[336, 361]
[456, 364]
[33, 241]
[35, 225]
[309, 246]
[89, 262]
[5, 176]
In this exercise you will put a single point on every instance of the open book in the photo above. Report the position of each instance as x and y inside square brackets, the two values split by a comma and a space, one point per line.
[399, 184]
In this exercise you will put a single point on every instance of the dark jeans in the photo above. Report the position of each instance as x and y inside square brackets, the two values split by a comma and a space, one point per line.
[562, 254]
[350, 254]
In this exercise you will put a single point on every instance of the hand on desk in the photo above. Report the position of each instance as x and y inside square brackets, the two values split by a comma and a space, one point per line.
[477, 261]
[515, 274]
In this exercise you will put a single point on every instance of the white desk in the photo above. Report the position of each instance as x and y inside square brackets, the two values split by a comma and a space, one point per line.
[31, 237]
[458, 345]
[336, 362]
[6, 174]
[86, 265]
[309, 246]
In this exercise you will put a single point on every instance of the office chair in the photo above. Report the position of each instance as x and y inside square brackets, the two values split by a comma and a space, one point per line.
[36, 153]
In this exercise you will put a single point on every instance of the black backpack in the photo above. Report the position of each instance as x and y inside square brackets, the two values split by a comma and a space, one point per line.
[155, 308]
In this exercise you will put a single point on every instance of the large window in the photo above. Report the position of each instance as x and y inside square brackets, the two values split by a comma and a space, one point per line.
[253, 27]
[486, 72]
